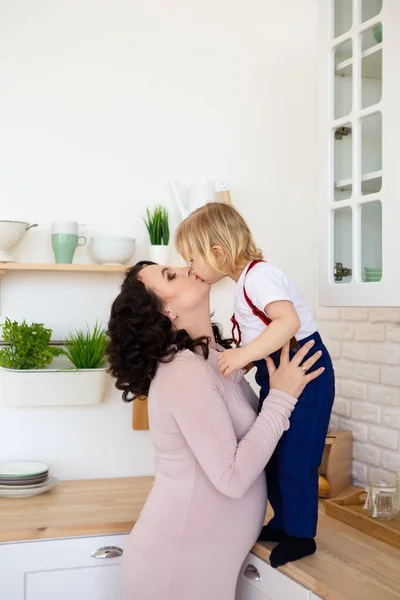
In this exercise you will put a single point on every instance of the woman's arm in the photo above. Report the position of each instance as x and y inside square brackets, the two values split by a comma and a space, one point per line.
[197, 406]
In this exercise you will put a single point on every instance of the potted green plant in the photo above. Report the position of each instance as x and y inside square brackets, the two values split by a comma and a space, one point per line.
[86, 349]
[157, 225]
[30, 375]
[27, 346]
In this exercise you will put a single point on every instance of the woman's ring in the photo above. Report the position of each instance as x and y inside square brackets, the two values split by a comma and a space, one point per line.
[304, 369]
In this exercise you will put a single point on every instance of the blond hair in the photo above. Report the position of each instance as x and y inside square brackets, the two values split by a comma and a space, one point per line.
[217, 224]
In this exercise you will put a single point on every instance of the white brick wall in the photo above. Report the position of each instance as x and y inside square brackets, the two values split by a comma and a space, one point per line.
[365, 348]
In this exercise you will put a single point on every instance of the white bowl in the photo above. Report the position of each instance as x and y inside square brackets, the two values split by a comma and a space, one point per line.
[112, 249]
[11, 232]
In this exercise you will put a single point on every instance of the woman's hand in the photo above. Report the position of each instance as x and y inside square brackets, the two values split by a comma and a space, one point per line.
[291, 375]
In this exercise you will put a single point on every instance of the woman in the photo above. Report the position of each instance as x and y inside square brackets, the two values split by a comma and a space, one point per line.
[207, 505]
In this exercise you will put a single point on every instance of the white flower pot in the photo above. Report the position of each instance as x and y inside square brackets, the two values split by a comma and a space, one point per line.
[159, 254]
[52, 387]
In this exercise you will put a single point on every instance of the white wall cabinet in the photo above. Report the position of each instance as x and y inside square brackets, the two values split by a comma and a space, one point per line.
[62, 569]
[359, 124]
[259, 581]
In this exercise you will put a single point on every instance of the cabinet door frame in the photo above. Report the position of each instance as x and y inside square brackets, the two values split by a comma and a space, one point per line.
[356, 292]
[18, 559]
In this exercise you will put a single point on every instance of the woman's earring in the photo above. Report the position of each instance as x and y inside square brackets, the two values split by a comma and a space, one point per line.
[171, 315]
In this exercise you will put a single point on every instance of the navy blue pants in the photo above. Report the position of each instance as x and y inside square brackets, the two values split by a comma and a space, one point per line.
[292, 472]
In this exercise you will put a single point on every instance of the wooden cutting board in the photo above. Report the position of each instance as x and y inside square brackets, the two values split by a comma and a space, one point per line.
[349, 508]
[140, 419]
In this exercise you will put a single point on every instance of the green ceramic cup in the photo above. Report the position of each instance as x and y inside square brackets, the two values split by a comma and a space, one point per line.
[377, 31]
[64, 246]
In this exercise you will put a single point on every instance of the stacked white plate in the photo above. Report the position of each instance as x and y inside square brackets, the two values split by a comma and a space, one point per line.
[24, 479]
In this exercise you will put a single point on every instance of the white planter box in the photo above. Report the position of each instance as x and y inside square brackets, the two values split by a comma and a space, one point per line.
[52, 387]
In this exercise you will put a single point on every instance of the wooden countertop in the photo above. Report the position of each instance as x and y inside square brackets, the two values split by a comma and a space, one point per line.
[348, 565]
[75, 508]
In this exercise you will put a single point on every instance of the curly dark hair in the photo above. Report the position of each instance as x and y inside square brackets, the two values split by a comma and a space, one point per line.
[141, 336]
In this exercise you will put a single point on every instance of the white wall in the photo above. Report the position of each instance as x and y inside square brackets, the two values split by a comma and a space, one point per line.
[102, 103]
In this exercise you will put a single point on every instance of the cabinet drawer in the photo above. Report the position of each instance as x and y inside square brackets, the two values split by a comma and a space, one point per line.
[87, 568]
[273, 584]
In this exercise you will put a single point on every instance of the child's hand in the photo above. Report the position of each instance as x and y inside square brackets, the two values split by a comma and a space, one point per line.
[232, 360]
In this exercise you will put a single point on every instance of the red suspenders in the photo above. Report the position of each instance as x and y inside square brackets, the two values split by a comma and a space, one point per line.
[256, 311]
[294, 345]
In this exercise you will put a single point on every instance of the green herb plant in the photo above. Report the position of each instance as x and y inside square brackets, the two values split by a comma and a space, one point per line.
[86, 349]
[157, 226]
[27, 346]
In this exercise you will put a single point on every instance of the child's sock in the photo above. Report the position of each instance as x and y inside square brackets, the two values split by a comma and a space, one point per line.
[291, 548]
[270, 535]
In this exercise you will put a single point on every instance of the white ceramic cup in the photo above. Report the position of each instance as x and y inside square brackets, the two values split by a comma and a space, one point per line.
[68, 227]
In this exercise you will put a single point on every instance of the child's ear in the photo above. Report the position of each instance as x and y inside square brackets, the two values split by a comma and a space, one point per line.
[219, 254]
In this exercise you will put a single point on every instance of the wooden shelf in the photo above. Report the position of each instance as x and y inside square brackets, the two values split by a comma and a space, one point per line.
[12, 267]
[371, 64]
[372, 183]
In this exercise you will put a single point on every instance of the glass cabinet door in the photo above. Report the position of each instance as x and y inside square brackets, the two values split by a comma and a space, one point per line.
[352, 121]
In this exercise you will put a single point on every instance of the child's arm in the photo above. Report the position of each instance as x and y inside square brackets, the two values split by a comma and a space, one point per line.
[285, 323]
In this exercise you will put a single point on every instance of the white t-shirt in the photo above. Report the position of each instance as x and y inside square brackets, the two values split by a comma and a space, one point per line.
[265, 284]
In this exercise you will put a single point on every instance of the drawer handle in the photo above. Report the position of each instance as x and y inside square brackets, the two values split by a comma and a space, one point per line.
[252, 573]
[107, 552]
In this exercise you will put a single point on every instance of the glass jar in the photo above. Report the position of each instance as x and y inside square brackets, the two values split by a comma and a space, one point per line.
[382, 501]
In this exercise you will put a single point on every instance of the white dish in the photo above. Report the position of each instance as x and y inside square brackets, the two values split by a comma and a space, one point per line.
[112, 249]
[27, 493]
[24, 486]
[22, 469]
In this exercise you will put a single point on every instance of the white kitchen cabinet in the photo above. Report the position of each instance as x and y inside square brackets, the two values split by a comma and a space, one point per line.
[62, 569]
[259, 581]
[250, 585]
[359, 125]
[247, 591]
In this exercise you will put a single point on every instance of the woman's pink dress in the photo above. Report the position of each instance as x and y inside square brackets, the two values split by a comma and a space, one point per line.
[208, 502]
